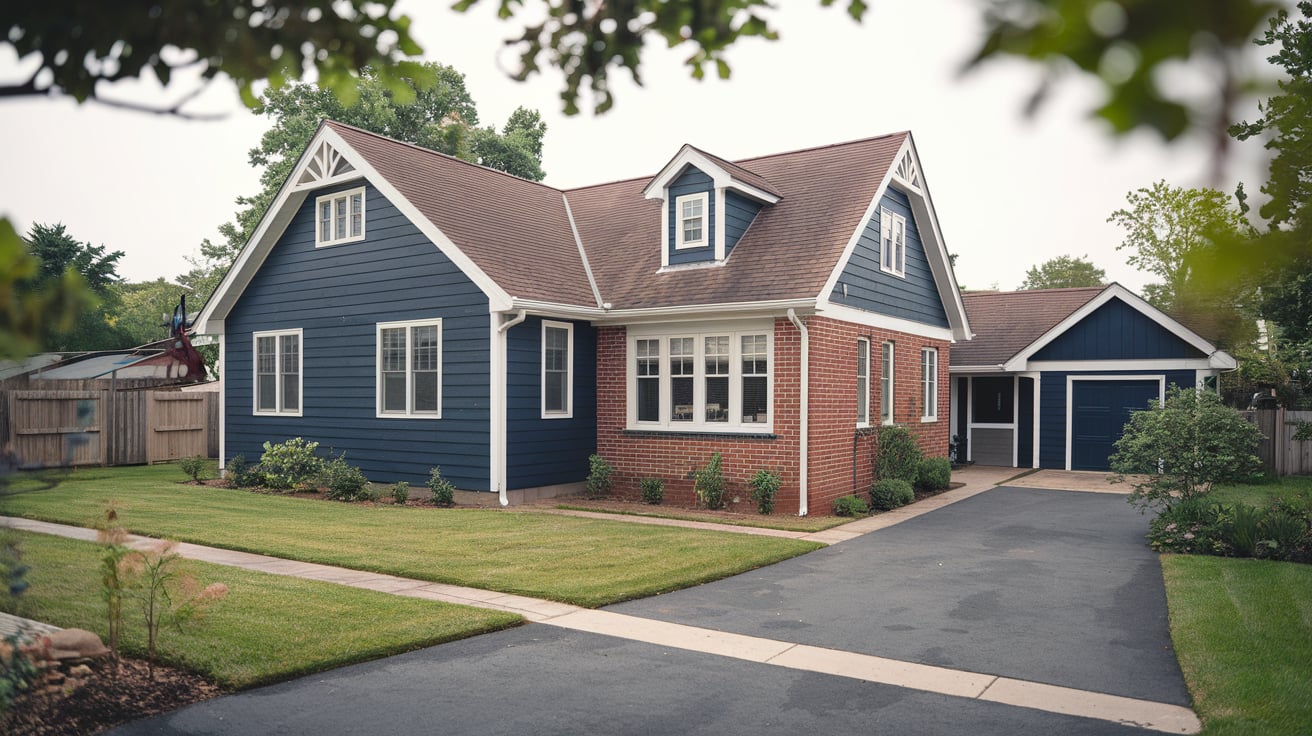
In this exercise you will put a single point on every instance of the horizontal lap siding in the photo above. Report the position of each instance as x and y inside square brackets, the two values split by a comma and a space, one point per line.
[739, 212]
[1117, 331]
[542, 452]
[691, 181]
[336, 296]
[915, 297]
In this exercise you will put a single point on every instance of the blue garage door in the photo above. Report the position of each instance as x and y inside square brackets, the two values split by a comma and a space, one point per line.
[1100, 410]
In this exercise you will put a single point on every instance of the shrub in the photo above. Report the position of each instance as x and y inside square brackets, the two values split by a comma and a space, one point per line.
[850, 506]
[891, 493]
[1244, 530]
[400, 492]
[765, 484]
[241, 474]
[197, 468]
[653, 490]
[444, 494]
[1190, 526]
[345, 482]
[934, 474]
[708, 483]
[897, 456]
[1284, 535]
[290, 465]
[1185, 445]
[599, 481]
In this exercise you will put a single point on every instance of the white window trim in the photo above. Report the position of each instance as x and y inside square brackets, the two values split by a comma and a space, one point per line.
[410, 413]
[699, 333]
[892, 380]
[319, 240]
[888, 261]
[300, 373]
[568, 413]
[925, 383]
[863, 396]
[679, 242]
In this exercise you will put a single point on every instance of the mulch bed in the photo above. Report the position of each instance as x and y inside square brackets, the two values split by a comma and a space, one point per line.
[95, 702]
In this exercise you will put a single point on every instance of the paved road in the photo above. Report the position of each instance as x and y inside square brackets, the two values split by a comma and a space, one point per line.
[1039, 585]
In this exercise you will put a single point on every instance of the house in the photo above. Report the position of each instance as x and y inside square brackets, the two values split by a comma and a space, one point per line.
[1052, 375]
[413, 310]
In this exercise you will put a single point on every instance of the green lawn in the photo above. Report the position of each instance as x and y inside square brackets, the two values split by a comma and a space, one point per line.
[581, 561]
[764, 521]
[1263, 494]
[1243, 633]
[268, 628]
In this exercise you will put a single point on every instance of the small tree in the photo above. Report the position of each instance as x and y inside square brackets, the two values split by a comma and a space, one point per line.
[599, 481]
[167, 595]
[1183, 446]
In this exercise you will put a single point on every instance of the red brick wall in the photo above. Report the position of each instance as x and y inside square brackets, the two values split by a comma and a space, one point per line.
[834, 457]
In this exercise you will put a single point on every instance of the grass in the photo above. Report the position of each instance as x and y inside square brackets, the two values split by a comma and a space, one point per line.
[1243, 633]
[268, 628]
[1265, 493]
[762, 521]
[581, 561]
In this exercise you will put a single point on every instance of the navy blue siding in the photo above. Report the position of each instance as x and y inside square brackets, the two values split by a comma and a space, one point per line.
[1025, 423]
[915, 297]
[691, 181]
[1117, 331]
[337, 295]
[1052, 411]
[739, 212]
[541, 452]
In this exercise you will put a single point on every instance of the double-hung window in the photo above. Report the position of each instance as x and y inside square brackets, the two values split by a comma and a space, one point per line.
[892, 243]
[690, 213]
[886, 383]
[410, 369]
[862, 382]
[278, 372]
[340, 217]
[557, 368]
[929, 383]
[703, 381]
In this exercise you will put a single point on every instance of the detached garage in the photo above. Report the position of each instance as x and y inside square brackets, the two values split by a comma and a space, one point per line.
[1052, 375]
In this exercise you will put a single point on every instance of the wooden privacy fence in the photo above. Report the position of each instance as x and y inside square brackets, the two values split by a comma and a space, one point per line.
[55, 428]
[1281, 452]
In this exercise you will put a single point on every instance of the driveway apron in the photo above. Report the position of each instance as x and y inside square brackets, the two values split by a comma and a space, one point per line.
[1053, 587]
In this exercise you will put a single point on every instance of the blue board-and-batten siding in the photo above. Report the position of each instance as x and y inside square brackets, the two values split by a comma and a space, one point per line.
[544, 452]
[691, 181]
[1117, 331]
[1053, 409]
[739, 211]
[336, 296]
[915, 297]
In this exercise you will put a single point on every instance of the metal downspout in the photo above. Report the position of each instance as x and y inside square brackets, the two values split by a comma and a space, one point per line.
[500, 391]
[805, 410]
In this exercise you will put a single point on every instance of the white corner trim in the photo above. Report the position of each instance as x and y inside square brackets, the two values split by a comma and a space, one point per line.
[1070, 395]
[719, 224]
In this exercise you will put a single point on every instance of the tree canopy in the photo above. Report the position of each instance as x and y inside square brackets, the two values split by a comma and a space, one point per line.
[1064, 272]
[64, 263]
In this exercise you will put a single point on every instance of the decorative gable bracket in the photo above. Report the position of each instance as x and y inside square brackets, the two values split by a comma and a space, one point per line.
[324, 165]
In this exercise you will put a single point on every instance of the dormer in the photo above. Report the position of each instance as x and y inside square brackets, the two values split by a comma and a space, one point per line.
[707, 205]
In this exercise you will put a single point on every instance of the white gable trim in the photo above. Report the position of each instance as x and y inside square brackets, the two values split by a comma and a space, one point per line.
[689, 156]
[1216, 358]
[931, 238]
[288, 202]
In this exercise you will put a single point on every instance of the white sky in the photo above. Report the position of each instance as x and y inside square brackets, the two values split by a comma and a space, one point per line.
[1010, 192]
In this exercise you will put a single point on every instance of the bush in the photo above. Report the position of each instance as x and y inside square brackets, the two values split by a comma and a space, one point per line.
[653, 490]
[400, 492]
[891, 493]
[1245, 530]
[599, 481]
[850, 506]
[1185, 445]
[1284, 536]
[765, 484]
[1190, 526]
[241, 474]
[198, 468]
[345, 482]
[934, 474]
[708, 483]
[290, 465]
[897, 456]
[444, 494]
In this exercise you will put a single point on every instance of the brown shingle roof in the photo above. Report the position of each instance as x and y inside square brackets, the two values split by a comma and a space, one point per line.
[741, 174]
[515, 230]
[1006, 322]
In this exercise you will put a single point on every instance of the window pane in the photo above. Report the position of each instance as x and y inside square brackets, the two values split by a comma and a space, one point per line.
[717, 399]
[291, 392]
[649, 400]
[325, 221]
[424, 350]
[681, 399]
[266, 355]
[357, 215]
[886, 382]
[862, 381]
[291, 353]
[754, 399]
[267, 394]
[425, 388]
[393, 349]
[555, 391]
[339, 216]
[394, 392]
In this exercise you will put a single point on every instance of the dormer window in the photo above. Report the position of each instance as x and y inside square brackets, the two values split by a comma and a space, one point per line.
[892, 243]
[692, 209]
[340, 217]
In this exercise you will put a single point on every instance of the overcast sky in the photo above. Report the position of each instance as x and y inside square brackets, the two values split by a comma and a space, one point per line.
[1010, 191]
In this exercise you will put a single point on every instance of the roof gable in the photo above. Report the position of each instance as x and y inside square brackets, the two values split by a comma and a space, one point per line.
[724, 175]
[1116, 331]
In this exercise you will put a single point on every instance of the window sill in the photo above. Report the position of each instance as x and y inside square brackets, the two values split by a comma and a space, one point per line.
[928, 420]
[333, 243]
[275, 414]
[699, 434]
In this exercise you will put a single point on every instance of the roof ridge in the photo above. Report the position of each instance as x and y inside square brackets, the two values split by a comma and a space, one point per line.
[993, 292]
[421, 149]
[820, 147]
